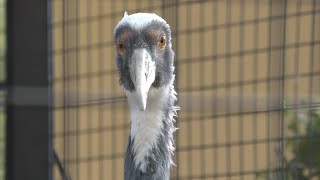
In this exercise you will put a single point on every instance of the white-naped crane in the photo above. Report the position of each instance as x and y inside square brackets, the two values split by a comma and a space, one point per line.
[145, 64]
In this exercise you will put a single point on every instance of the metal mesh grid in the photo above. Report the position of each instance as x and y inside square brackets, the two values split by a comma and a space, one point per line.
[244, 71]
[2, 134]
[2, 87]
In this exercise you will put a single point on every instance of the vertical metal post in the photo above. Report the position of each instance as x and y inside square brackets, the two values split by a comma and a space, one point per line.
[28, 144]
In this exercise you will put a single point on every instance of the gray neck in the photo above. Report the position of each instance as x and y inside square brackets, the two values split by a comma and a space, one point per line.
[150, 147]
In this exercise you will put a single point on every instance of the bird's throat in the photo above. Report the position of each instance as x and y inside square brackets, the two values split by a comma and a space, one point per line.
[146, 126]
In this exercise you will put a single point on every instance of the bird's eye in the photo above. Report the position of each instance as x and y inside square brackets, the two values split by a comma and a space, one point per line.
[162, 41]
[120, 47]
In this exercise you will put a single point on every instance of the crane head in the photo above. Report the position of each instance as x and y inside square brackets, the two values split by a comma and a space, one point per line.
[144, 54]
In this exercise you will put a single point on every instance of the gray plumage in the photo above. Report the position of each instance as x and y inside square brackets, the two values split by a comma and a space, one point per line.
[159, 162]
[139, 39]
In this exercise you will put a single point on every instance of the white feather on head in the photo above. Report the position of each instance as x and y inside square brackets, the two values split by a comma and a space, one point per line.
[139, 20]
[125, 14]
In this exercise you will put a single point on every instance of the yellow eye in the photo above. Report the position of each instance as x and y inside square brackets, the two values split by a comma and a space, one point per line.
[162, 41]
[120, 47]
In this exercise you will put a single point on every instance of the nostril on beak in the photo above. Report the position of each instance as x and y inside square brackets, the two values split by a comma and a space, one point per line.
[146, 75]
[147, 69]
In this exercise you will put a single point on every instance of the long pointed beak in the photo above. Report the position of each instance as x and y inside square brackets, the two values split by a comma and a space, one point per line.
[142, 72]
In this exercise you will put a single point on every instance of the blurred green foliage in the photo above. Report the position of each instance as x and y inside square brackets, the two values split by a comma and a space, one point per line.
[302, 150]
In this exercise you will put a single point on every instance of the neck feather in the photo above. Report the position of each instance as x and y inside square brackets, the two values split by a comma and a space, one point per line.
[150, 146]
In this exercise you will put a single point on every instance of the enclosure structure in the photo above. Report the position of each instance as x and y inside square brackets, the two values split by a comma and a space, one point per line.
[2, 88]
[28, 125]
[247, 75]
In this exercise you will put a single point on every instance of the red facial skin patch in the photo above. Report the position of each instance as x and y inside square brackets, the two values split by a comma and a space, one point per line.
[124, 38]
[154, 33]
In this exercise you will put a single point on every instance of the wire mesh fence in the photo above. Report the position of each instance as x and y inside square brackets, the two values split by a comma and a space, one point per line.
[2, 88]
[247, 75]
[2, 134]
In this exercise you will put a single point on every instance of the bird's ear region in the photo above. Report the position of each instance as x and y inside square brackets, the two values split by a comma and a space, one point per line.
[153, 32]
[157, 35]
[124, 37]
[122, 42]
